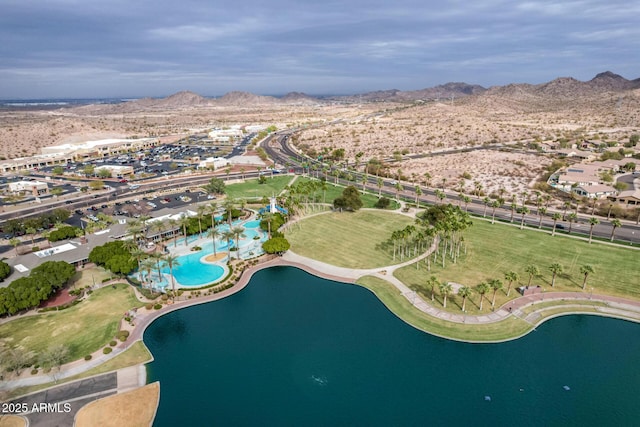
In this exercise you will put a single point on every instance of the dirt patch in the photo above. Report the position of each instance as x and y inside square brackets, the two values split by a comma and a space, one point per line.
[12, 421]
[61, 297]
[216, 257]
[133, 408]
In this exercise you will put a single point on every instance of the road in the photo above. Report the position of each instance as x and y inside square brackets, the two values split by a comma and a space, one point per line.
[278, 149]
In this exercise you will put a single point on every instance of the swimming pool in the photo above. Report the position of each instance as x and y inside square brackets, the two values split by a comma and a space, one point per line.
[192, 272]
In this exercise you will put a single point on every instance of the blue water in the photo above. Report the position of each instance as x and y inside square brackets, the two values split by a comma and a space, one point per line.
[191, 272]
[295, 350]
[252, 224]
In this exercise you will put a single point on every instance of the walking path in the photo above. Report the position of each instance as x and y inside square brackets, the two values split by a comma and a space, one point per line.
[522, 307]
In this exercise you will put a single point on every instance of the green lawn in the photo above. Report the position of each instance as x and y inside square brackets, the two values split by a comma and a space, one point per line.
[251, 189]
[83, 328]
[507, 329]
[134, 355]
[347, 239]
[496, 249]
[333, 191]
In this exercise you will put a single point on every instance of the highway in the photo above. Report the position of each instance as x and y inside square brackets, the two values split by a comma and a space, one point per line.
[278, 149]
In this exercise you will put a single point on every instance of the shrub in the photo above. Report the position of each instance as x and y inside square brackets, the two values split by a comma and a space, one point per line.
[148, 306]
[157, 306]
[113, 343]
[87, 357]
[107, 350]
[164, 297]
[34, 371]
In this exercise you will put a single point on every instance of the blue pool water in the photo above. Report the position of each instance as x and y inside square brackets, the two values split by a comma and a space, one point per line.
[191, 272]
[252, 224]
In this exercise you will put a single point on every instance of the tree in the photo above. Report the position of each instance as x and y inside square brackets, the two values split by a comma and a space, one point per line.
[432, 284]
[572, 217]
[496, 285]
[15, 242]
[555, 270]
[380, 184]
[172, 261]
[615, 223]
[104, 173]
[215, 186]
[147, 265]
[464, 292]
[510, 276]
[593, 221]
[88, 170]
[5, 270]
[96, 185]
[276, 245]
[542, 211]
[54, 357]
[238, 232]
[350, 200]
[445, 290]
[533, 270]
[482, 289]
[556, 217]
[228, 236]
[523, 211]
[184, 222]
[586, 270]
[201, 209]
[418, 191]
[214, 233]
[486, 201]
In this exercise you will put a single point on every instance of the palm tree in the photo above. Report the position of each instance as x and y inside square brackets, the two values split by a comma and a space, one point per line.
[229, 206]
[158, 258]
[523, 210]
[464, 292]
[510, 276]
[555, 270]
[615, 223]
[228, 236]
[213, 233]
[542, 211]
[586, 270]
[556, 217]
[238, 232]
[533, 270]
[432, 283]
[496, 285]
[482, 289]
[201, 209]
[486, 201]
[398, 188]
[184, 222]
[173, 225]
[466, 199]
[172, 261]
[148, 265]
[514, 206]
[572, 217]
[494, 205]
[445, 290]
[418, 193]
[593, 221]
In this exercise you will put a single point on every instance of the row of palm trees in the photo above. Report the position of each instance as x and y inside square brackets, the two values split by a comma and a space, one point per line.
[494, 285]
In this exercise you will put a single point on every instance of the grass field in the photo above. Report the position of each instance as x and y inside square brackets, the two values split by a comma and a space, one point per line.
[507, 329]
[496, 249]
[251, 189]
[83, 328]
[333, 191]
[134, 355]
[347, 239]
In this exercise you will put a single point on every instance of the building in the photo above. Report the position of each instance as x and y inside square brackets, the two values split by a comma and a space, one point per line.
[36, 188]
[597, 191]
[116, 171]
[226, 136]
[629, 197]
[101, 148]
[214, 163]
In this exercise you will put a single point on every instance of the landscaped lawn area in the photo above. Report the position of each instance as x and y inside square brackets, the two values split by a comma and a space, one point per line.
[332, 191]
[496, 249]
[251, 189]
[83, 328]
[510, 328]
[347, 239]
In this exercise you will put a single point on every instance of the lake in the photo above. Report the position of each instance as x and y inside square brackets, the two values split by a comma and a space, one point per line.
[293, 349]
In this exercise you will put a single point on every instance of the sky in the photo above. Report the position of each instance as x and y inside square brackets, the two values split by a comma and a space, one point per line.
[125, 48]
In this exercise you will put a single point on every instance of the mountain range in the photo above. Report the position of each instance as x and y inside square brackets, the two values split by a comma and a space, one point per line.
[562, 88]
